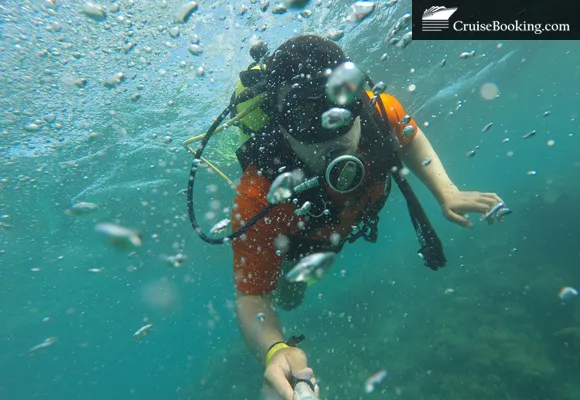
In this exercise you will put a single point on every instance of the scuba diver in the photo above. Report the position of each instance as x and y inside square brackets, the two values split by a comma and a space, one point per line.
[319, 155]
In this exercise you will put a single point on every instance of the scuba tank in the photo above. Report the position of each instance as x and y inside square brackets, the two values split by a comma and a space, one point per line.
[253, 77]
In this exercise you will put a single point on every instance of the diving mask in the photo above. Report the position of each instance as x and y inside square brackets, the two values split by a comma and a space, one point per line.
[303, 106]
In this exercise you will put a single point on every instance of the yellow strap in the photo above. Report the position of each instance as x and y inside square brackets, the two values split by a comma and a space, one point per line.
[273, 350]
[219, 129]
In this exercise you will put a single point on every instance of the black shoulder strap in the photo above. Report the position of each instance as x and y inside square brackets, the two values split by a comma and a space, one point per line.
[431, 248]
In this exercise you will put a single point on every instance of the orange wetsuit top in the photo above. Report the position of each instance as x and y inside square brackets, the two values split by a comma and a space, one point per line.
[256, 264]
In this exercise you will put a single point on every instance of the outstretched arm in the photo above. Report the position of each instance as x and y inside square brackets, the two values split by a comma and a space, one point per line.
[454, 203]
[433, 176]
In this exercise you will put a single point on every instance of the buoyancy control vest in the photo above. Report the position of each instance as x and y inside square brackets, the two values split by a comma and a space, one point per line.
[270, 154]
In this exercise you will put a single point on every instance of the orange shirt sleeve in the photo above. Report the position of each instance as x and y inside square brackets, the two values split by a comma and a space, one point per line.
[395, 114]
[256, 264]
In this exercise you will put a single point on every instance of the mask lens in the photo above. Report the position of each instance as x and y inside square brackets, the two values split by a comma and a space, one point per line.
[302, 110]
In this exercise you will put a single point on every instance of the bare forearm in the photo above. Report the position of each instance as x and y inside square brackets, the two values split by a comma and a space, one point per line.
[259, 333]
[433, 175]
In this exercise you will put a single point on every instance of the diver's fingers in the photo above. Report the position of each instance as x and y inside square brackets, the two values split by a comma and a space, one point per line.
[304, 373]
[307, 373]
[472, 206]
[458, 219]
[276, 376]
[492, 196]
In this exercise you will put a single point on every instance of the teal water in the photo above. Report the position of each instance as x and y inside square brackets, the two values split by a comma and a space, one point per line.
[502, 334]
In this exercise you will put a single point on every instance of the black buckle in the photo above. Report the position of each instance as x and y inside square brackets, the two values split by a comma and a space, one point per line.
[369, 232]
[293, 341]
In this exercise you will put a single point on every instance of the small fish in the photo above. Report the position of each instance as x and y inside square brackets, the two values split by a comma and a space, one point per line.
[546, 113]
[502, 213]
[529, 135]
[81, 208]
[260, 317]
[449, 291]
[142, 332]
[487, 127]
[42, 345]
[375, 380]
[182, 192]
[470, 154]
[507, 139]
[532, 172]
[426, 162]
[95, 270]
[220, 227]
[311, 268]
[491, 213]
[119, 235]
[567, 293]
[443, 62]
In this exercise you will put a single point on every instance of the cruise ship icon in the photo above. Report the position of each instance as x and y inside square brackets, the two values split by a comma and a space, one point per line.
[438, 13]
[436, 18]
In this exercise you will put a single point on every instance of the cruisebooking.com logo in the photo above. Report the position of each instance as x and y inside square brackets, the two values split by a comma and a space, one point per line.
[436, 19]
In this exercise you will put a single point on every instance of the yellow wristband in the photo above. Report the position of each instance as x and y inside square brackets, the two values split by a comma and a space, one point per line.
[273, 350]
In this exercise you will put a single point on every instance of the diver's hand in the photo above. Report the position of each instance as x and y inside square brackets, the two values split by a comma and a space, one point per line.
[456, 204]
[284, 364]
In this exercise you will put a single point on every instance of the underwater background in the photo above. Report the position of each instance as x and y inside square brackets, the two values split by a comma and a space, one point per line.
[490, 325]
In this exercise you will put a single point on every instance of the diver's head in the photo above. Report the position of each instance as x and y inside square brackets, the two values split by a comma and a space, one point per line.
[297, 81]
